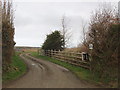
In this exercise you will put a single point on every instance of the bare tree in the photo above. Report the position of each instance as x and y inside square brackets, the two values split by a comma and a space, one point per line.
[0, 44]
[103, 36]
[84, 44]
[84, 30]
[0, 17]
[65, 31]
[7, 34]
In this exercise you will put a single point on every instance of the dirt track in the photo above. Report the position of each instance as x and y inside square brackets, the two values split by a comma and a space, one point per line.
[44, 74]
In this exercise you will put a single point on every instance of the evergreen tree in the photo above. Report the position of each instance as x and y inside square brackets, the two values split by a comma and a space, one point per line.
[54, 41]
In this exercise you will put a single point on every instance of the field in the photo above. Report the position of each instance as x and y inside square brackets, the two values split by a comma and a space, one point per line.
[26, 49]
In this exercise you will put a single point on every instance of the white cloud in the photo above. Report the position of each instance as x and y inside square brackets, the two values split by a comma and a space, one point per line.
[65, 0]
[33, 20]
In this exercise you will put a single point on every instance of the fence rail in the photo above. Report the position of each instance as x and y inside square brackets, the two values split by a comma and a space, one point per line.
[69, 57]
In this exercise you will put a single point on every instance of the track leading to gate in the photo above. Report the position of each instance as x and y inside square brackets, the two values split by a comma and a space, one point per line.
[44, 74]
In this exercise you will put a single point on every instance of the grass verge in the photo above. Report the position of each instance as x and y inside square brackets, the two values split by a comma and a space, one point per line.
[82, 73]
[17, 69]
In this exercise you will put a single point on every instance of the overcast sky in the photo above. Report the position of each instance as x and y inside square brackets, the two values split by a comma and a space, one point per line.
[34, 20]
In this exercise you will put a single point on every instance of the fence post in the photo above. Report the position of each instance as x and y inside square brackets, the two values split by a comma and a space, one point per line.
[47, 52]
[51, 53]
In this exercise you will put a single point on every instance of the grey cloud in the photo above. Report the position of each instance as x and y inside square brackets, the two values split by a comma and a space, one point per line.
[34, 20]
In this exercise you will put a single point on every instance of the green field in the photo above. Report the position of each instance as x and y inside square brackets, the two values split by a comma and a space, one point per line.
[18, 68]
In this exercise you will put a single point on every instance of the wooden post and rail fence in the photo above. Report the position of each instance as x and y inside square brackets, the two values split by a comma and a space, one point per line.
[77, 59]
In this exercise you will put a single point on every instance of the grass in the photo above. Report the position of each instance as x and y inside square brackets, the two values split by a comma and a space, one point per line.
[18, 68]
[82, 73]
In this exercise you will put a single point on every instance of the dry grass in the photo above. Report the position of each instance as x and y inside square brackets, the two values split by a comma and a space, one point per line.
[27, 49]
[77, 49]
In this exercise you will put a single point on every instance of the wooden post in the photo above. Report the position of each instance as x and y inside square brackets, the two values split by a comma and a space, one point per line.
[51, 53]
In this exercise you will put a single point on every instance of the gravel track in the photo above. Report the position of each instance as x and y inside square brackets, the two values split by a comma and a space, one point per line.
[44, 74]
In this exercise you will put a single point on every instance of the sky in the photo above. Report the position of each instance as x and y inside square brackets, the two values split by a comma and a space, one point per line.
[35, 19]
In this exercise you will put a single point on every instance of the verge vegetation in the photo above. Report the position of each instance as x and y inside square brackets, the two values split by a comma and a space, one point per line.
[17, 69]
[7, 34]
